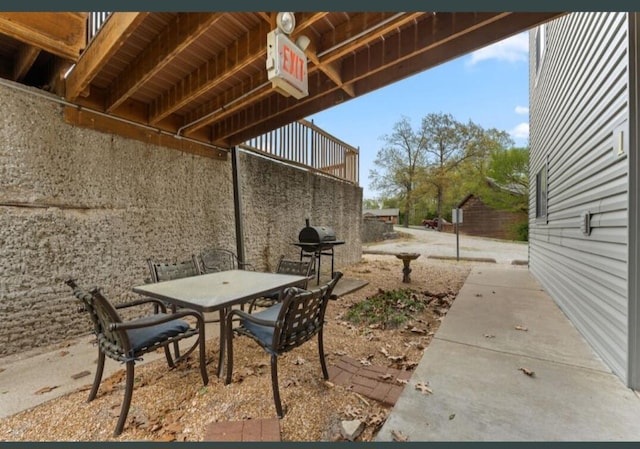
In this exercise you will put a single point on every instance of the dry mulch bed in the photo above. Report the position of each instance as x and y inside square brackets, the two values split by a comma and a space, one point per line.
[173, 405]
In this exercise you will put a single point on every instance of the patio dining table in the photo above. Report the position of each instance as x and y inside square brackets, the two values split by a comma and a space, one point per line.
[218, 292]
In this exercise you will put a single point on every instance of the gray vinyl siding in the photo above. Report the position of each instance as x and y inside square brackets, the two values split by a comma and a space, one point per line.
[578, 98]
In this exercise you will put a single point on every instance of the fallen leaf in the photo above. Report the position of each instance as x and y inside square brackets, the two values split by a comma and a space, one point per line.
[174, 428]
[384, 352]
[386, 376]
[299, 361]
[365, 362]
[451, 416]
[478, 295]
[423, 387]
[415, 330]
[80, 374]
[63, 353]
[521, 328]
[340, 352]
[399, 436]
[489, 336]
[1, 370]
[329, 384]
[166, 438]
[376, 420]
[528, 372]
[402, 381]
[45, 390]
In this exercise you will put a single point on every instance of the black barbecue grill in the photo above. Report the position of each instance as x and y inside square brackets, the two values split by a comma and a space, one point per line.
[317, 241]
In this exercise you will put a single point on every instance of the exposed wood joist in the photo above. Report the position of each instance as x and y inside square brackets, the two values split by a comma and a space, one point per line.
[114, 32]
[27, 55]
[61, 34]
[403, 56]
[227, 64]
[207, 114]
[178, 35]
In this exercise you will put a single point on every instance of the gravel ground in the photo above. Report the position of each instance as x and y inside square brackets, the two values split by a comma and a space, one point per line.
[173, 405]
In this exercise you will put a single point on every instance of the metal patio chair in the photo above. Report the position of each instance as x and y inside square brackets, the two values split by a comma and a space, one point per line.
[217, 259]
[286, 266]
[283, 327]
[128, 341]
[166, 271]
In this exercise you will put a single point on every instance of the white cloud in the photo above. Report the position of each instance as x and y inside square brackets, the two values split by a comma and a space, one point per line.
[522, 110]
[512, 49]
[521, 131]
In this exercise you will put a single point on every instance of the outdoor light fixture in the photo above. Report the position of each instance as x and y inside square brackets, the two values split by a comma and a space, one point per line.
[286, 61]
[303, 42]
[286, 22]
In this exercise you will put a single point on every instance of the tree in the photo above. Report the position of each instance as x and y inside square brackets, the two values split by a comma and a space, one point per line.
[450, 145]
[507, 185]
[401, 161]
[368, 203]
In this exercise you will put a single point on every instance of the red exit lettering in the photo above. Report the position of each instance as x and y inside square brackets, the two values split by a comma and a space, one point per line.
[292, 63]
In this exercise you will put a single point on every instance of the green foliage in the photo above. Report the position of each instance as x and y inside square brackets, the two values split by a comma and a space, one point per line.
[400, 162]
[428, 170]
[387, 309]
[507, 186]
[522, 231]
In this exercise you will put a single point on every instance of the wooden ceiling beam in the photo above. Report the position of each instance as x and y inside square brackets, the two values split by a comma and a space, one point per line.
[332, 70]
[451, 49]
[256, 88]
[177, 35]
[372, 30]
[59, 33]
[111, 36]
[213, 110]
[225, 65]
[27, 55]
[245, 125]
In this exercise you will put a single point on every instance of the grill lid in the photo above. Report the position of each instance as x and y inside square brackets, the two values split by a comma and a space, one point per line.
[316, 234]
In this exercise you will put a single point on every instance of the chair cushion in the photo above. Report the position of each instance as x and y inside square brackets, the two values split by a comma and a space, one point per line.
[264, 333]
[147, 336]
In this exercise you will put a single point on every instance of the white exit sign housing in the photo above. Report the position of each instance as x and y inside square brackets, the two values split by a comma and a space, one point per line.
[286, 65]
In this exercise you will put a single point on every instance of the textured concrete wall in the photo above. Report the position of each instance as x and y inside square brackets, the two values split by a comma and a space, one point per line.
[276, 200]
[78, 202]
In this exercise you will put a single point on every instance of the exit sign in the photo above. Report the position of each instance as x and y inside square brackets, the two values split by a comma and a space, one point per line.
[286, 65]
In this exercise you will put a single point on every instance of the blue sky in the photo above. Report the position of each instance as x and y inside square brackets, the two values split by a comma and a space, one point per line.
[489, 86]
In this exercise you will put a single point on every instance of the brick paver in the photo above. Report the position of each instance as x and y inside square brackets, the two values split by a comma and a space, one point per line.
[249, 430]
[376, 382]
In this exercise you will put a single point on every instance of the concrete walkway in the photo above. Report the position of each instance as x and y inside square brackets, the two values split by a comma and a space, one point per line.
[502, 326]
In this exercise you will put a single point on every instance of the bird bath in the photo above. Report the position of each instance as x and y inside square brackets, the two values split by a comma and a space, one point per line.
[406, 260]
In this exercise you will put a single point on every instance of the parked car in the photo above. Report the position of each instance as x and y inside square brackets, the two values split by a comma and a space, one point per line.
[432, 223]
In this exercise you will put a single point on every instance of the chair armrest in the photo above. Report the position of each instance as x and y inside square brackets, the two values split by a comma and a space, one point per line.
[158, 319]
[249, 317]
[246, 266]
[142, 301]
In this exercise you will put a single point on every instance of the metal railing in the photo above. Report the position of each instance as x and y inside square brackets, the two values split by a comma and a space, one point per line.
[303, 143]
[94, 23]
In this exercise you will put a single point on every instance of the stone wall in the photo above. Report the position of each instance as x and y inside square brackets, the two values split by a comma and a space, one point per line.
[375, 230]
[277, 199]
[77, 202]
